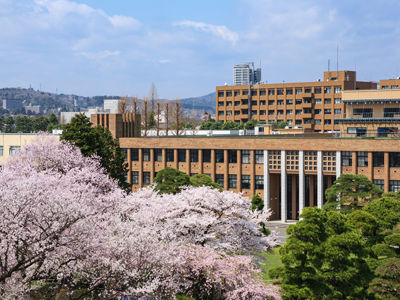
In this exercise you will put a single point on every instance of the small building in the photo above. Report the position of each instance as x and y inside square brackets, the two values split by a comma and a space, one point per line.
[12, 104]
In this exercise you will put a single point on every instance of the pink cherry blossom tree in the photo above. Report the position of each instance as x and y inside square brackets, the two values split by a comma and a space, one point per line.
[62, 218]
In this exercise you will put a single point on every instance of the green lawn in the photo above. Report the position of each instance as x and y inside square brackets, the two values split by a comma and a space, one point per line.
[274, 260]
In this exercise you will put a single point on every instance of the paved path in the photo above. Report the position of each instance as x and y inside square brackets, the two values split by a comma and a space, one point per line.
[280, 229]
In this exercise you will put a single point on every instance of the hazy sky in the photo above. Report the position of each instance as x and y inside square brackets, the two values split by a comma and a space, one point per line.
[187, 47]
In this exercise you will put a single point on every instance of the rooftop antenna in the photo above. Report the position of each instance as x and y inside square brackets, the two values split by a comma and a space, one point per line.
[337, 62]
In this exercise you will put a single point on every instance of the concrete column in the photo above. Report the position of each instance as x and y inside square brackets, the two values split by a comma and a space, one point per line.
[371, 166]
[140, 167]
[164, 158]
[301, 181]
[239, 170]
[200, 161]
[252, 173]
[386, 172]
[267, 197]
[176, 162]
[320, 181]
[152, 159]
[283, 187]
[226, 169]
[354, 164]
[338, 164]
[213, 166]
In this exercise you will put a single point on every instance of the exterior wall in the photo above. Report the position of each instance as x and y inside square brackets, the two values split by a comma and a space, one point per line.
[371, 94]
[262, 110]
[389, 83]
[8, 140]
[120, 125]
[313, 160]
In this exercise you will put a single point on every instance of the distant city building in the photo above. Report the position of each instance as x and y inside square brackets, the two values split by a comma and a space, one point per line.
[245, 74]
[111, 106]
[37, 109]
[12, 104]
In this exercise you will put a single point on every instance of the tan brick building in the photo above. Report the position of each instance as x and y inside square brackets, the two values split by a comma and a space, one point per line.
[289, 172]
[312, 105]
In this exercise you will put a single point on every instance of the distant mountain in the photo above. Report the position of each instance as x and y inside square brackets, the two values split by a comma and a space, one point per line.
[206, 103]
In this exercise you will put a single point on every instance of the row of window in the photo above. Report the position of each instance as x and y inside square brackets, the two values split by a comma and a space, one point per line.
[12, 150]
[219, 178]
[394, 185]
[377, 157]
[271, 92]
[279, 102]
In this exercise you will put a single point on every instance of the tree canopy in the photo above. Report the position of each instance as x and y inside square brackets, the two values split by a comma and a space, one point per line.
[204, 180]
[98, 140]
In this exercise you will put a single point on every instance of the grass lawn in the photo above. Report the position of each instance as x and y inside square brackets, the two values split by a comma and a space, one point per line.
[274, 260]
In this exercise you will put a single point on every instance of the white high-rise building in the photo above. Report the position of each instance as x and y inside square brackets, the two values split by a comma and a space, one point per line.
[246, 74]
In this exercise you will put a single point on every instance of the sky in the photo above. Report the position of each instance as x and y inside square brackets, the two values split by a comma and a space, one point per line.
[186, 47]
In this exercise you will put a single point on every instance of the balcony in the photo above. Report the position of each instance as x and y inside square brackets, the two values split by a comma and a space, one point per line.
[368, 117]
[307, 95]
[307, 105]
[306, 116]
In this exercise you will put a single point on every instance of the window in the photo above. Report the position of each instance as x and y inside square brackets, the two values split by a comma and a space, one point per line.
[289, 91]
[394, 159]
[394, 87]
[14, 149]
[327, 111]
[318, 101]
[318, 122]
[299, 91]
[281, 102]
[289, 102]
[229, 113]
[194, 155]
[237, 112]
[289, 112]
[262, 102]
[245, 111]
[271, 92]
[362, 159]
[254, 93]
[245, 181]
[259, 156]
[229, 103]
[219, 156]
[262, 93]
[298, 101]
[280, 92]
[307, 110]
[298, 111]
[347, 159]
[146, 154]
[271, 112]
[327, 90]
[245, 93]
[385, 87]
[146, 178]
[170, 155]
[338, 111]
[245, 101]
[245, 156]
[135, 177]
[220, 94]
[229, 94]
[307, 121]
[317, 90]
[327, 101]
[259, 182]
[253, 102]
[298, 122]
[308, 101]
[327, 122]
[237, 103]
[394, 185]
[307, 90]
[271, 102]
[317, 111]
[280, 112]
[338, 90]
[336, 122]
[219, 178]
[232, 183]
[236, 93]
[220, 103]
[359, 131]
[253, 112]
[364, 112]
[220, 113]
[1, 150]
[232, 156]
[206, 156]
[262, 112]
[390, 112]
[378, 158]
[181, 155]
[338, 100]
[158, 154]
[379, 183]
